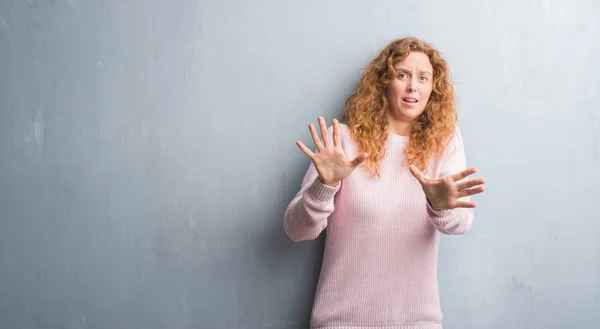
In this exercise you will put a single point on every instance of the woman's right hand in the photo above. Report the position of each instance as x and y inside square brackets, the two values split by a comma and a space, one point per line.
[330, 161]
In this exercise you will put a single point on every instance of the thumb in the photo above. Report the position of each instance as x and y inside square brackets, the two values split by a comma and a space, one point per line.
[417, 173]
[359, 159]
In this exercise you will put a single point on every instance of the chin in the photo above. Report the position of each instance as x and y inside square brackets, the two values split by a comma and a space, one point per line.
[409, 114]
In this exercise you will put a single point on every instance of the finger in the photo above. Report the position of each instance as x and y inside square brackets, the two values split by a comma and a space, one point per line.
[465, 204]
[463, 174]
[336, 133]
[417, 173]
[470, 183]
[305, 149]
[315, 137]
[324, 134]
[471, 191]
[359, 159]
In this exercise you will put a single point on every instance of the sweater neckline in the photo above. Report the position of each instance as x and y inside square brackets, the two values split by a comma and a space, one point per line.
[398, 138]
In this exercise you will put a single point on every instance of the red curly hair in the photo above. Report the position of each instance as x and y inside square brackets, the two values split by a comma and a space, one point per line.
[366, 108]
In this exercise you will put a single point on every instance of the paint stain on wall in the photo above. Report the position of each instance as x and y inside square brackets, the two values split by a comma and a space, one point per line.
[36, 134]
[596, 136]
[38, 129]
[77, 322]
[519, 285]
[4, 26]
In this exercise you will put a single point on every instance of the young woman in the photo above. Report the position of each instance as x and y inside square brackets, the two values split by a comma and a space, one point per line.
[385, 183]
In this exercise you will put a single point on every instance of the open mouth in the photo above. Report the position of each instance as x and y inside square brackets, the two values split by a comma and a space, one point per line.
[410, 100]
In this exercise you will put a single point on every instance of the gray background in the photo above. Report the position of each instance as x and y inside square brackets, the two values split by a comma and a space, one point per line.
[147, 156]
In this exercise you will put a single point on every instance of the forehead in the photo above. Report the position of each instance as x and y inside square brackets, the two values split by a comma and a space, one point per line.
[415, 61]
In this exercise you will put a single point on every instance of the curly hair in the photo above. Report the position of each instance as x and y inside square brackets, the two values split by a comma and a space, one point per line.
[366, 108]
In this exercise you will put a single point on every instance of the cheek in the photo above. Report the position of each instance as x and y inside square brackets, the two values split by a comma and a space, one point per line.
[426, 92]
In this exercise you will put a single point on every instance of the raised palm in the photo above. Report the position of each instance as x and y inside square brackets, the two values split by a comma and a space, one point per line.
[330, 161]
[445, 192]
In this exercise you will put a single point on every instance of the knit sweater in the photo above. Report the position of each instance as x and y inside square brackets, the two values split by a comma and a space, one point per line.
[382, 237]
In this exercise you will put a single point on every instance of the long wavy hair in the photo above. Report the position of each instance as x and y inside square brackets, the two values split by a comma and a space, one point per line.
[366, 108]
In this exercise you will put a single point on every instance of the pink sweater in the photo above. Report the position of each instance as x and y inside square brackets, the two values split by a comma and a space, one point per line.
[380, 261]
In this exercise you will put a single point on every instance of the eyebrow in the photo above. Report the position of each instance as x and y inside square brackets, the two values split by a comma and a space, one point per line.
[407, 71]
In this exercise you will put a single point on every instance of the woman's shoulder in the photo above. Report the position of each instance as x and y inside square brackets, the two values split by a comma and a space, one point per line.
[344, 129]
[442, 164]
[456, 137]
[455, 143]
[345, 135]
[451, 143]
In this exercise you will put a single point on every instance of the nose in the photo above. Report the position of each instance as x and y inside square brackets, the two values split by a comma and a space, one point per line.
[411, 86]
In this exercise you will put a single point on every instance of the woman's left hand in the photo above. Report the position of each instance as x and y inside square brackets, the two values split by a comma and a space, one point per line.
[444, 193]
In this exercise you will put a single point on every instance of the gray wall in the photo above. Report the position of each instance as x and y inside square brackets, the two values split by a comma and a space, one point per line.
[147, 156]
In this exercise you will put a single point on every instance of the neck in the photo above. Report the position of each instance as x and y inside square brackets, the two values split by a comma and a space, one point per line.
[397, 127]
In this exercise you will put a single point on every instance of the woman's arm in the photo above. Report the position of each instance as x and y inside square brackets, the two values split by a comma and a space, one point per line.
[306, 215]
[448, 195]
[457, 220]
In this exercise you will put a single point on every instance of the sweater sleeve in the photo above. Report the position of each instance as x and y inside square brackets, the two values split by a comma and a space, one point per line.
[306, 215]
[458, 220]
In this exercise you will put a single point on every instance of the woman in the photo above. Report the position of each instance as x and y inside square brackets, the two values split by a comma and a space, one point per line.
[385, 218]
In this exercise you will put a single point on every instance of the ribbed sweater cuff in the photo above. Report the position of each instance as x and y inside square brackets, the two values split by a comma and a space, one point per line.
[321, 192]
[437, 213]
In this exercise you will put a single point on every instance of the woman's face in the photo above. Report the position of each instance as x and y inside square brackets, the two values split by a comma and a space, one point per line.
[409, 92]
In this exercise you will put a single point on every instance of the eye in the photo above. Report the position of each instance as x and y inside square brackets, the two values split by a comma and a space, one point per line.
[424, 78]
[402, 76]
